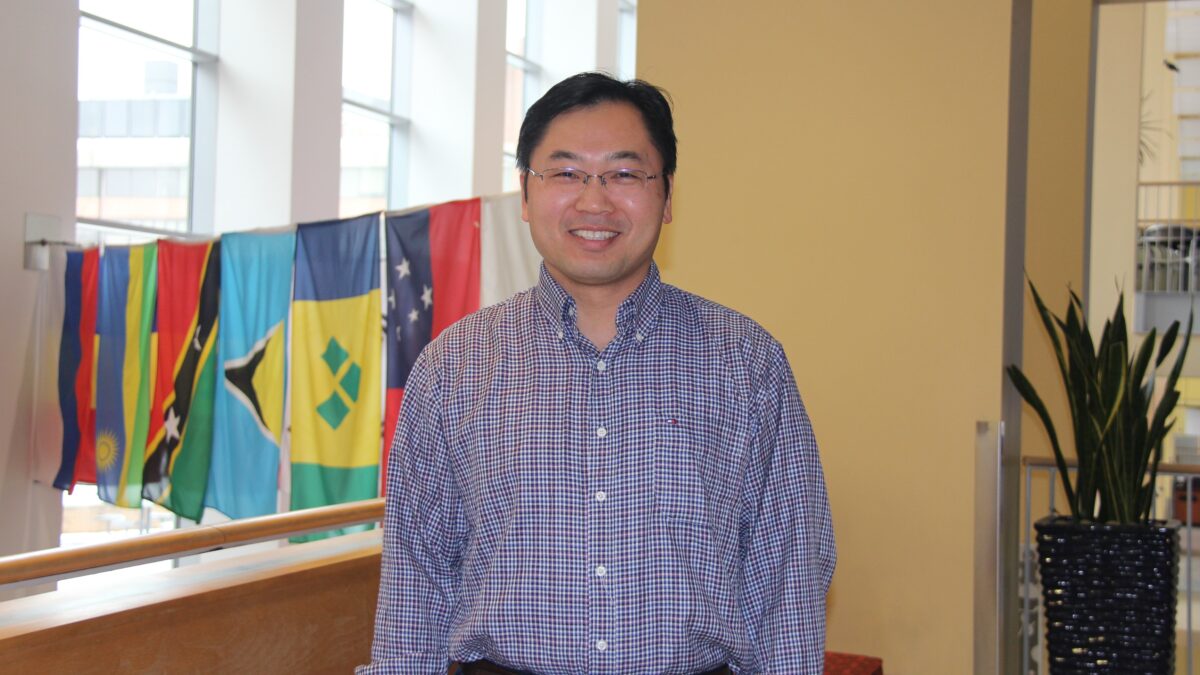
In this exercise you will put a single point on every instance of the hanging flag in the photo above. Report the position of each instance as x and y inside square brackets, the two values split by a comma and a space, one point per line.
[75, 371]
[336, 416]
[256, 287]
[125, 358]
[433, 271]
[85, 378]
[509, 261]
[181, 426]
[450, 258]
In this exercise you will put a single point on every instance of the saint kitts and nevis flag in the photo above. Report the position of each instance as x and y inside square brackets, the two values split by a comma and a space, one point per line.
[181, 425]
[126, 355]
[336, 413]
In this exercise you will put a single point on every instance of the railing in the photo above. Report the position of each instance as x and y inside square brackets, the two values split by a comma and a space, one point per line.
[59, 563]
[1168, 237]
[1033, 622]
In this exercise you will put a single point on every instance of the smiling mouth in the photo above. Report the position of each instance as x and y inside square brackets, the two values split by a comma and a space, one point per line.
[593, 235]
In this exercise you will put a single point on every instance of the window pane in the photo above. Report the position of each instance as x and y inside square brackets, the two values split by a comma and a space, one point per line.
[367, 52]
[169, 19]
[365, 150]
[626, 42]
[514, 40]
[133, 131]
[514, 106]
[511, 179]
[142, 118]
[91, 118]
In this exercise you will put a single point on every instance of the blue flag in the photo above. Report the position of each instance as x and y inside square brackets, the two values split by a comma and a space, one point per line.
[69, 357]
[256, 283]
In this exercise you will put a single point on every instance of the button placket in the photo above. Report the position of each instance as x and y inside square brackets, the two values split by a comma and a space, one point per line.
[599, 539]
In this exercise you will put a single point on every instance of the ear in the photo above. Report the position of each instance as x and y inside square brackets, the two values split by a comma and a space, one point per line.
[670, 184]
[524, 196]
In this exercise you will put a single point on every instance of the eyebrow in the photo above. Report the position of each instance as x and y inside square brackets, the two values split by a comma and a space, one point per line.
[569, 156]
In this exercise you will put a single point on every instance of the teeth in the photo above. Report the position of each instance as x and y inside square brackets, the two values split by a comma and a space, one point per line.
[594, 235]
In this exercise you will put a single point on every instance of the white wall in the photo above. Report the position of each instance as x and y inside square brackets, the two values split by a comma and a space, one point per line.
[38, 48]
[279, 113]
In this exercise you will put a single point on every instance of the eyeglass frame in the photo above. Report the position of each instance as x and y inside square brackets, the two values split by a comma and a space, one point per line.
[587, 177]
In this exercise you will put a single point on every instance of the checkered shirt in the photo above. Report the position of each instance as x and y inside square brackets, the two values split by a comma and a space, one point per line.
[654, 507]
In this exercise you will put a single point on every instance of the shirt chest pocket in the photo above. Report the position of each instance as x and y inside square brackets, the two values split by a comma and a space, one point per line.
[678, 478]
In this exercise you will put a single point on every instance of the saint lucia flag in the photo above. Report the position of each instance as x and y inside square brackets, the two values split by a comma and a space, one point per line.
[181, 428]
[125, 358]
[256, 288]
[75, 359]
[336, 413]
[443, 263]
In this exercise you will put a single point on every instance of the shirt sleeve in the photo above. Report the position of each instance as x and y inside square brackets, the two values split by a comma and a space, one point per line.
[423, 533]
[789, 546]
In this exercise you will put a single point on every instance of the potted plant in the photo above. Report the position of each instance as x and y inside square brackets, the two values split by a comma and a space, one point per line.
[1108, 571]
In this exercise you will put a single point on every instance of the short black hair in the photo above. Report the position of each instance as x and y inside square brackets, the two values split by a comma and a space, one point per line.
[588, 89]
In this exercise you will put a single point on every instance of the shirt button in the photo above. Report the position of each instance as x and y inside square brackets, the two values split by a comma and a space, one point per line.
[600, 496]
[601, 645]
[600, 366]
[602, 432]
[560, 335]
[601, 570]
[640, 337]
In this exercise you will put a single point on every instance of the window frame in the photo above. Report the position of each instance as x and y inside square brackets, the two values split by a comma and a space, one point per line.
[202, 115]
[396, 114]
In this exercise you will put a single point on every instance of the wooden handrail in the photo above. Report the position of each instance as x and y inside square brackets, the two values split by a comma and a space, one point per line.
[59, 563]
[1181, 469]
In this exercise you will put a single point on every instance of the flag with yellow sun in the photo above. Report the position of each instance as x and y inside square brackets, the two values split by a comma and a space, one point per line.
[126, 357]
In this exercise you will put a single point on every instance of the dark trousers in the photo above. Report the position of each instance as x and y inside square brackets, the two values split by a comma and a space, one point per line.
[489, 668]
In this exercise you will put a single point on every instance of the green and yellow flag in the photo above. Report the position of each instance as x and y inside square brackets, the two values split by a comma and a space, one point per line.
[336, 344]
[126, 354]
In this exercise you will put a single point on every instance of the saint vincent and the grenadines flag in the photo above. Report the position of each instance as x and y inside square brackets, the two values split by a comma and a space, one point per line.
[181, 427]
[443, 263]
[336, 412]
[248, 425]
[126, 354]
[75, 359]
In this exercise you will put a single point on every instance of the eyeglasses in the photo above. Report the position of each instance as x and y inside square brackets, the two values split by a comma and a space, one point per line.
[572, 180]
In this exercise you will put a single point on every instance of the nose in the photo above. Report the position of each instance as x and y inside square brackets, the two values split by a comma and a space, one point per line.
[593, 198]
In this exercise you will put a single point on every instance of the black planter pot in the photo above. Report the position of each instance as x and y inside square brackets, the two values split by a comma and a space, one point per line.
[1109, 595]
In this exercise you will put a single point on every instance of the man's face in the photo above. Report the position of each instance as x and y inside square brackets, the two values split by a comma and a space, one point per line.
[596, 237]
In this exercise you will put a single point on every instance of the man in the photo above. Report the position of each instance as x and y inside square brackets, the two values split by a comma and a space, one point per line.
[603, 474]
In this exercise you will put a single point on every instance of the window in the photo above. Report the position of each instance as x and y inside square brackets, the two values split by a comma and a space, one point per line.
[522, 76]
[376, 68]
[626, 39]
[137, 91]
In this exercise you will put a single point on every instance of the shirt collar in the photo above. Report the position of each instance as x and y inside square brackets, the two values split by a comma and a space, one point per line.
[635, 313]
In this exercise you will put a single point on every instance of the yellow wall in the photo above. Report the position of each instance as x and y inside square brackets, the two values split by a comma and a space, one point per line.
[1056, 195]
[1115, 172]
[842, 181]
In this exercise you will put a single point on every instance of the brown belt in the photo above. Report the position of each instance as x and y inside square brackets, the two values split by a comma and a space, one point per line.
[489, 668]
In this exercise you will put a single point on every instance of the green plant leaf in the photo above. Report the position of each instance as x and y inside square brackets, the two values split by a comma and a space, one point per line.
[1027, 391]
